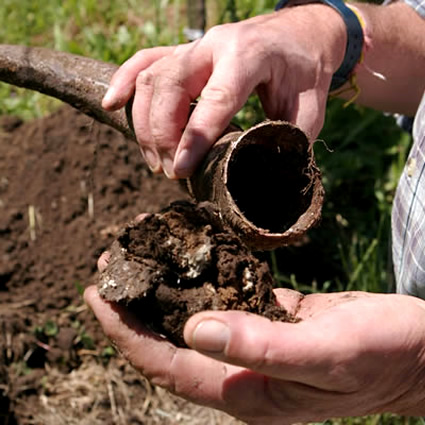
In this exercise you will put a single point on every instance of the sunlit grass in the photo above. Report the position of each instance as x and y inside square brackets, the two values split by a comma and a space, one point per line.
[111, 31]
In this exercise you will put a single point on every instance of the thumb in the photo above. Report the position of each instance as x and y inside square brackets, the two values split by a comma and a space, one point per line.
[299, 352]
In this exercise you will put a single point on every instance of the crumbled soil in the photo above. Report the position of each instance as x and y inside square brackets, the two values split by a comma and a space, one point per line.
[67, 185]
[173, 264]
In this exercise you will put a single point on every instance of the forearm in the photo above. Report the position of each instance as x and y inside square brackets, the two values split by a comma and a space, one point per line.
[392, 75]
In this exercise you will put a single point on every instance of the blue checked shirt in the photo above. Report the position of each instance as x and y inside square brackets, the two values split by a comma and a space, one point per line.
[418, 5]
[408, 216]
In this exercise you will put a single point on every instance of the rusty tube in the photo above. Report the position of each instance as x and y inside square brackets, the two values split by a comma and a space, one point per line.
[263, 181]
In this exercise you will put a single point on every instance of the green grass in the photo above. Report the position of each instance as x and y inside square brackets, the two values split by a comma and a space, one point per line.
[360, 175]
[361, 162]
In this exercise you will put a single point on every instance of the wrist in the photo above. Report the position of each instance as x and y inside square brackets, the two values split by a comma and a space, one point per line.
[328, 31]
[354, 35]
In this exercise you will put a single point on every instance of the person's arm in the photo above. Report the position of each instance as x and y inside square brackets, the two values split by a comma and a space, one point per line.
[392, 75]
[288, 57]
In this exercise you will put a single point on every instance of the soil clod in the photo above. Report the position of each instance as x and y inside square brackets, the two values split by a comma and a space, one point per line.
[181, 261]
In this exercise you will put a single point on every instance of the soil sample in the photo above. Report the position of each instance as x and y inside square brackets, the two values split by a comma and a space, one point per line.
[181, 261]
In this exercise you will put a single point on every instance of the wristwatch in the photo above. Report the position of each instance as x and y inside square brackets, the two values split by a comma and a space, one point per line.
[354, 46]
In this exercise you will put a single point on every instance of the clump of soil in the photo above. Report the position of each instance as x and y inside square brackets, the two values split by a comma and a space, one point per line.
[173, 264]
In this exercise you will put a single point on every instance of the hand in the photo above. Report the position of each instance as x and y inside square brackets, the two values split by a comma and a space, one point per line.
[352, 354]
[288, 57]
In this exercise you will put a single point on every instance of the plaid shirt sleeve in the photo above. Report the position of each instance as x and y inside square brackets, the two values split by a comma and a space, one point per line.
[418, 5]
[408, 216]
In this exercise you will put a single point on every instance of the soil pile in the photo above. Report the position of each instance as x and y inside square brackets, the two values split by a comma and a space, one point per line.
[67, 185]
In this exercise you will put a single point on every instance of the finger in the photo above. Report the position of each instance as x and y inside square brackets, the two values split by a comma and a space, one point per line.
[227, 90]
[123, 82]
[168, 117]
[141, 121]
[301, 352]
[178, 81]
[309, 114]
[103, 261]
[161, 107]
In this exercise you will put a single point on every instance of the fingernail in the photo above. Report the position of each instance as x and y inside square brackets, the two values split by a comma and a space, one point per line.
[109, 100]
[168, 166]
[211, 335]
[183, 161]
[151, 158]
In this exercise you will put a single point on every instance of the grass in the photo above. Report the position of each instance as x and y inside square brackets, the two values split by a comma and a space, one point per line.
[360, 177]
[360, 166]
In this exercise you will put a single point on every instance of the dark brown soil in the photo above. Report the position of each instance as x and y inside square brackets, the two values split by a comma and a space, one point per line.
[173, 264]
[67, 185]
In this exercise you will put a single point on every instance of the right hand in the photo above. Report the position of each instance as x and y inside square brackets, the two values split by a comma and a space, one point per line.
[288, 57]
[352, 354]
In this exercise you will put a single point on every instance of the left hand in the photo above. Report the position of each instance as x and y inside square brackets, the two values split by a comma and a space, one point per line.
[352, 354]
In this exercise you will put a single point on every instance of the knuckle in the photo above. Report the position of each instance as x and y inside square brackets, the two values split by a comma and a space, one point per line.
[165, 377]
[247, 35]
[166, 75]
[145, 78]
[219, 95]
[162, 137]
[171, 80]
[233, 37]
[183, 49]
[163, 380]
[217, 32]
[172, 73]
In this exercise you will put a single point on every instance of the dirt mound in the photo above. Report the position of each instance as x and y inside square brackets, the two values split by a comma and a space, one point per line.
[67, 185]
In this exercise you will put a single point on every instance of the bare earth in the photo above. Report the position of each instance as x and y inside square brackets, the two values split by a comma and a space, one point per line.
[67, 186]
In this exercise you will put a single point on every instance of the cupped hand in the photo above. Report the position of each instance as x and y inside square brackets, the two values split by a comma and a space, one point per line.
[351, 354]
[288, 57]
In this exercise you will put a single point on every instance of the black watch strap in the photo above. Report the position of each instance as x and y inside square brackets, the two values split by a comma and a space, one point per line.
[354, 46]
